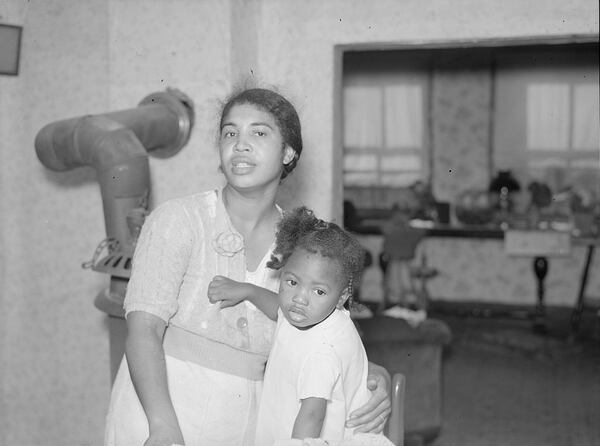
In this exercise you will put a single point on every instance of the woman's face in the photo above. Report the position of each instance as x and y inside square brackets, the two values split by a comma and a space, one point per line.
[311, 288]
[251, 147]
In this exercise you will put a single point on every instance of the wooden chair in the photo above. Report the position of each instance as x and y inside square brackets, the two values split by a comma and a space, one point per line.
[395, 424]
[416, 354]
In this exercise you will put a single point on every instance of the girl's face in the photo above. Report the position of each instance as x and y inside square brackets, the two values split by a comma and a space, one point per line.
[251, 147]
[311, 288]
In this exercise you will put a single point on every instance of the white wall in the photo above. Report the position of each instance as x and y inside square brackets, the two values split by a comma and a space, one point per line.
[94, 56]
[53, 342]
[77, 58]
[297, 40]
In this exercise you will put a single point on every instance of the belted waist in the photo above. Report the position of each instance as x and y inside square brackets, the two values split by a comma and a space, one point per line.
[188, 346]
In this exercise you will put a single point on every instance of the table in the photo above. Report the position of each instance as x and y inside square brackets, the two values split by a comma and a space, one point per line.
[541, 245]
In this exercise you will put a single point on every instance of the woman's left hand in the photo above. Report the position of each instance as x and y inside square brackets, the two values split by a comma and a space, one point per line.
[371, 418]
[226, 291]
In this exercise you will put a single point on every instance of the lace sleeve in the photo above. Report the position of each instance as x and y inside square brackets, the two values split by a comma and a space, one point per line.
[160, 261]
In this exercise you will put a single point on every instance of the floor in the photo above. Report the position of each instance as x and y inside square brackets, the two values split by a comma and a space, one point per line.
[505, 385]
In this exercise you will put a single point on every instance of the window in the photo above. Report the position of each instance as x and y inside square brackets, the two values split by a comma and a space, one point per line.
[383, 135]
[562, 124]
[547, 113]
[419, 114]
[384, 125]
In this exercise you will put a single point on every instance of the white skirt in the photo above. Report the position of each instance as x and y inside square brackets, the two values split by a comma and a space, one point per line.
[213, 408]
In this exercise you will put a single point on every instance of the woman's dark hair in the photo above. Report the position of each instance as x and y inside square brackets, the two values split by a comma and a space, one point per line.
[300, 228]
[282, 111]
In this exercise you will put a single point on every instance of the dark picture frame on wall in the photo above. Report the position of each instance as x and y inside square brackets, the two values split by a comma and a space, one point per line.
[10, 49]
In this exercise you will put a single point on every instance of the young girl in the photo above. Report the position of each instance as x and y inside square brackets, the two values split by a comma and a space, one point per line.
[317, 369]
[200, 302]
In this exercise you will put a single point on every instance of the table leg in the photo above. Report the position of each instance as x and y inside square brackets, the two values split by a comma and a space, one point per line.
[576, 314]
[540, 268]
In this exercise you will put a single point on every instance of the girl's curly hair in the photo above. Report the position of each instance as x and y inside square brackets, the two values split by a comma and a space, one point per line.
[299, 228]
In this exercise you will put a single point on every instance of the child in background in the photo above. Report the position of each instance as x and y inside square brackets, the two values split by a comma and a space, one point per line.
[399, 251]
[317, 369]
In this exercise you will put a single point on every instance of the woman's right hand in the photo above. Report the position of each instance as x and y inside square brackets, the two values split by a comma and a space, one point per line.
[147, 366]
[165, 435]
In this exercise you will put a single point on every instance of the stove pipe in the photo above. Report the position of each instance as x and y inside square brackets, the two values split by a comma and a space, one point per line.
[117, 145]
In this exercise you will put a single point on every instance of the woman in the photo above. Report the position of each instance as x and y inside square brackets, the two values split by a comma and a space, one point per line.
[201, 302]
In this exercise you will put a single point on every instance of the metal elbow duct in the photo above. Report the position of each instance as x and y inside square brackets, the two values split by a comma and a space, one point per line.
[95, 141]
[162, 123]
[117, 145]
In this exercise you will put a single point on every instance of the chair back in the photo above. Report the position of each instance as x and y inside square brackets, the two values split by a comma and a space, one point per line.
[395, 424]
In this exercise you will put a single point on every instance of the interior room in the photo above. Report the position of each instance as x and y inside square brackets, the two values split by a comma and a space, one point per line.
[473, 97]
[473, 123]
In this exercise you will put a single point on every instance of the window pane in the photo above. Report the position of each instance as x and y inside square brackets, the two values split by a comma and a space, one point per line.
[362, 117]
[586, 117]
[548, 116]
[400, 162]
[545, 162]
[360, 162]
[582, 163]
[403, 116]
[361, 179]
[400, 179]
